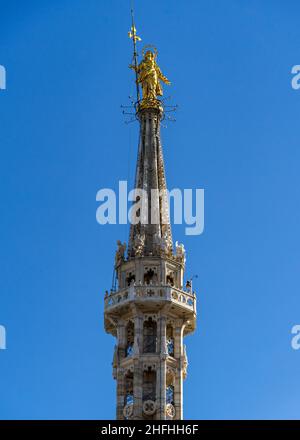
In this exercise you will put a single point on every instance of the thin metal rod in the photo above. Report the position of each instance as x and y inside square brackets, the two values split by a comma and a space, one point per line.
[135, 55]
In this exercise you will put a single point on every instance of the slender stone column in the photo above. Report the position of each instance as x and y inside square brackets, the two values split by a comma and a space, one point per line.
[178, 388]
[120, 372]
[178, 392]
[137, 389]
[161, 370]
[178, 334]
[120, 393]
[138, 332]
[137, 370]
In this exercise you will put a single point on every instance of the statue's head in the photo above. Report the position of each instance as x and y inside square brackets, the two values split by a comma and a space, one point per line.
[149, 55]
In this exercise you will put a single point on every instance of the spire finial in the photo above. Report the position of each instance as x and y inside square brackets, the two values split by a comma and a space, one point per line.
[132, 34]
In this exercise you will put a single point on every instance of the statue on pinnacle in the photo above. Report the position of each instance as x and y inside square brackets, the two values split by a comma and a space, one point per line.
[149, 76]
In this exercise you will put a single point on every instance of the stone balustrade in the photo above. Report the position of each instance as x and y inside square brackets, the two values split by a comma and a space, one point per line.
[151, 293]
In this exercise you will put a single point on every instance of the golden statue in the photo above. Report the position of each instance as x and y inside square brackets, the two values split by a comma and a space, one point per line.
[149, 76]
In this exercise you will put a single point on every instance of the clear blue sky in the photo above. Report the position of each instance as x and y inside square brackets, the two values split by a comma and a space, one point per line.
[63, 138]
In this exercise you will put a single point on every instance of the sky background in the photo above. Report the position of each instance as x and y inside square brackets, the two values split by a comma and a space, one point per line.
[63, 137]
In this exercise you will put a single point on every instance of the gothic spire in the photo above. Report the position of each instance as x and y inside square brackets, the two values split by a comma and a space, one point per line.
[151, 235]
[149, 311]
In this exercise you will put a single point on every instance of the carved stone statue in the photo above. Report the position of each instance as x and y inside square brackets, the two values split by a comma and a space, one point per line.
[180, 252]
[185, 362]
[139, 243]
[149, 76]
[136, 348]
[120, 253]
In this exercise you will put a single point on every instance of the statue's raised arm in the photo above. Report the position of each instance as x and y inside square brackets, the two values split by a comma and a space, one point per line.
[162, 77]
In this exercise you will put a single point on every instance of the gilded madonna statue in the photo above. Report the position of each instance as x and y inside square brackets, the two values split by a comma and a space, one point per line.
[149, 76]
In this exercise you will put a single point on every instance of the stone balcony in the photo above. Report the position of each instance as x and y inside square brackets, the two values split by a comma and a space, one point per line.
[151, 293]
[182, 303]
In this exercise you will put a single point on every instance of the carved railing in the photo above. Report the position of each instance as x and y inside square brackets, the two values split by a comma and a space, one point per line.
[151, 292]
